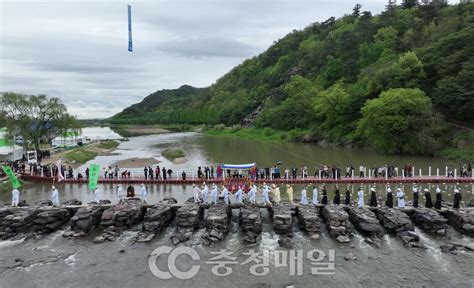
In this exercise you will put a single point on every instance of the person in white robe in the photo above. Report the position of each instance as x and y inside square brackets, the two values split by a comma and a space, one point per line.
[196, 194]
[360, 201]
[400, 198]
[55, 196]
[15, 197]
[143, 193]
[315, 195]
[205, 193]
[238, 195]
[304, 197]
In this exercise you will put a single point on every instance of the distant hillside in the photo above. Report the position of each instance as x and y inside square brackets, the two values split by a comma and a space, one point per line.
[164, 107]
[323, 79]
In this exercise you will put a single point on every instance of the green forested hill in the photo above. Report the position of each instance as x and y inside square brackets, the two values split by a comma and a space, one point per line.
[163, 107]
[390, 81]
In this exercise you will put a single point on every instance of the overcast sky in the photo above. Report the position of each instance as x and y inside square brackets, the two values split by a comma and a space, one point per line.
[77, 50]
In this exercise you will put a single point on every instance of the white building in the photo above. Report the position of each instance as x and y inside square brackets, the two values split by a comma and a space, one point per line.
[8, 149]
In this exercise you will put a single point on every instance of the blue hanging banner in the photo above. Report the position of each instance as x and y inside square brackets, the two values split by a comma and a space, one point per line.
[130, 46]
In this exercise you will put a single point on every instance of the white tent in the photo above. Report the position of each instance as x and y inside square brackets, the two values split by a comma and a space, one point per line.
[11, 153]
[68, 139]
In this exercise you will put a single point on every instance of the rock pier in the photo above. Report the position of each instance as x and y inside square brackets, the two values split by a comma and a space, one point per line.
[250, 222]
[188, 217]
[461, 219]
[309, 220]
[428, 220]
[156, 218]
[338, 223]
[217, 223]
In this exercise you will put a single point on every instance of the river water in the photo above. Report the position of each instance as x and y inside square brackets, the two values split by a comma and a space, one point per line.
[55, 262]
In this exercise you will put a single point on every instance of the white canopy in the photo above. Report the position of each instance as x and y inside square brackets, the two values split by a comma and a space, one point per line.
[11, 153]
[238, 166]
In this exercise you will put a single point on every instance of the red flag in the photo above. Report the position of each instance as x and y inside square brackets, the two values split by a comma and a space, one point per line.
[60, 173]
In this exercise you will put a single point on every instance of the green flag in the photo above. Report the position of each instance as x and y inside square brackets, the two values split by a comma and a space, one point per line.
[16, 184]
[93, 176]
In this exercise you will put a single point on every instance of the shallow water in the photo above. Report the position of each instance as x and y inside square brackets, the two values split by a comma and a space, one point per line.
[55, 262]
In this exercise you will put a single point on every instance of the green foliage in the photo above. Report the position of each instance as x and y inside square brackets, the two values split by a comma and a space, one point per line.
[399, 121]
[172, 154]
[293, 112]
[455, 93]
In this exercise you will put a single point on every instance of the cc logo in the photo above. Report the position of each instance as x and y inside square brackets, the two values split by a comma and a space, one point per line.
[172, 269]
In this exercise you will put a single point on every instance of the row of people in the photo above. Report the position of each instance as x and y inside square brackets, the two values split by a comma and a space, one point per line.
[210, 196]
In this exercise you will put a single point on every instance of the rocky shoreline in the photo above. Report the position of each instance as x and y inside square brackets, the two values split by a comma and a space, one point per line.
[77, 220]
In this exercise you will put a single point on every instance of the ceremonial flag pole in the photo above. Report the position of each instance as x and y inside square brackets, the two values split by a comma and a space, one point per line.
[130, 45]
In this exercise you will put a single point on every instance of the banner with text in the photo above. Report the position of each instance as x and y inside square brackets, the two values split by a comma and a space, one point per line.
[93, 176]
[16, 184]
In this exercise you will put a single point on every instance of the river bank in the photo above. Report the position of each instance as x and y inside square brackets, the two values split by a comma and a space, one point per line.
[80, 155]
[143, 130]
[465, 151]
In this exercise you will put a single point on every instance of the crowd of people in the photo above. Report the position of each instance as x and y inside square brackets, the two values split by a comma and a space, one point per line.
[207, 195]
[157, 173]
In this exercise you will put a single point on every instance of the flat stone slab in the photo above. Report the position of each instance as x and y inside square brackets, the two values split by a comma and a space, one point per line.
[49, 219]
[86, 218]
[461, 219]
[394, 220]
[365, 221]
[430, 220]
[14, 220]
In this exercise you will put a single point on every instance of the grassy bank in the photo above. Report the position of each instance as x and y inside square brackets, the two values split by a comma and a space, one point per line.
[138, 130]
[80, 155]
[460, 154]
[264, 134]
[110, 144]
[83, 154]
[172, 154]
